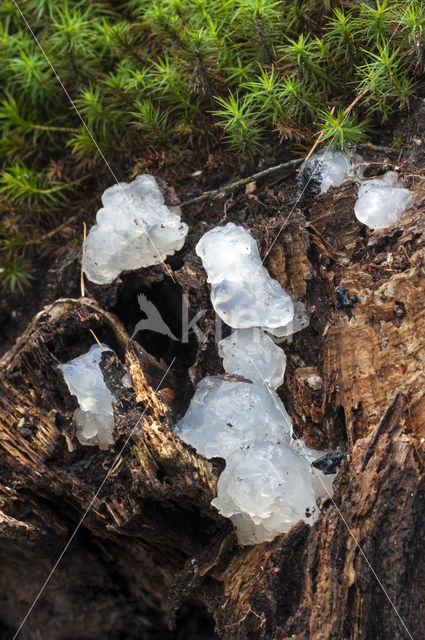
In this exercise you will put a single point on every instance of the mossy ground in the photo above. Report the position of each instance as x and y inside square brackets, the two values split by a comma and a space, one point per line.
[172, 87]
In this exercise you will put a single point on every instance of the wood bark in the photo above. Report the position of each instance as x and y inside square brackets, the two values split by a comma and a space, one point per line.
[152, 554]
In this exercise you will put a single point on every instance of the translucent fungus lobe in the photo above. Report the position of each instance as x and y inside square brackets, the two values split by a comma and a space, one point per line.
[95, 416]
[134, 229]
[242, 292]
[251, 353]
[381, 201]
[328, 169]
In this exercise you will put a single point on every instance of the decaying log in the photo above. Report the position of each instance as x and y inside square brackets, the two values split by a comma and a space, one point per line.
[317, 583]
[152, 552]
[156, 498]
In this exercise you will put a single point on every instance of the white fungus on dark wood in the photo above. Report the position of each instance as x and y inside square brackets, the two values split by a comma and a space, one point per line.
[94, 418]
[267, 487]
[251, 353]
[242, 292]
[224, 415]
[134, 229]
[268, 483]
[329, 168]
[381, 201]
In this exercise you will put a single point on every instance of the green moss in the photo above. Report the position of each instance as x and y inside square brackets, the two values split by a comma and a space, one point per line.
[16, 274]
[173, 74]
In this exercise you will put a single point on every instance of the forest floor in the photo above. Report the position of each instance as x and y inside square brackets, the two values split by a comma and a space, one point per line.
[55, 270]
[263, 207]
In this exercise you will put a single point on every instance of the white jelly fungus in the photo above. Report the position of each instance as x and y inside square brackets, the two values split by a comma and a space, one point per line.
[381, 201]
[242, 292]
[94, 417]
[134, 229]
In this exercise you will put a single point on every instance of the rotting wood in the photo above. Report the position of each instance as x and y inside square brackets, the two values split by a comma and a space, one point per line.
[152, 533]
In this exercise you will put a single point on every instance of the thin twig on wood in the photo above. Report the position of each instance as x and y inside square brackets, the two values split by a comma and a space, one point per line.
[355, 101]
[378, 148]
[316, 144]
[240, 183]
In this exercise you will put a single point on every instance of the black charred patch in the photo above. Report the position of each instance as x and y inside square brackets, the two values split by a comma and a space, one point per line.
[345, 301]
[329, 463]
[310, 179]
